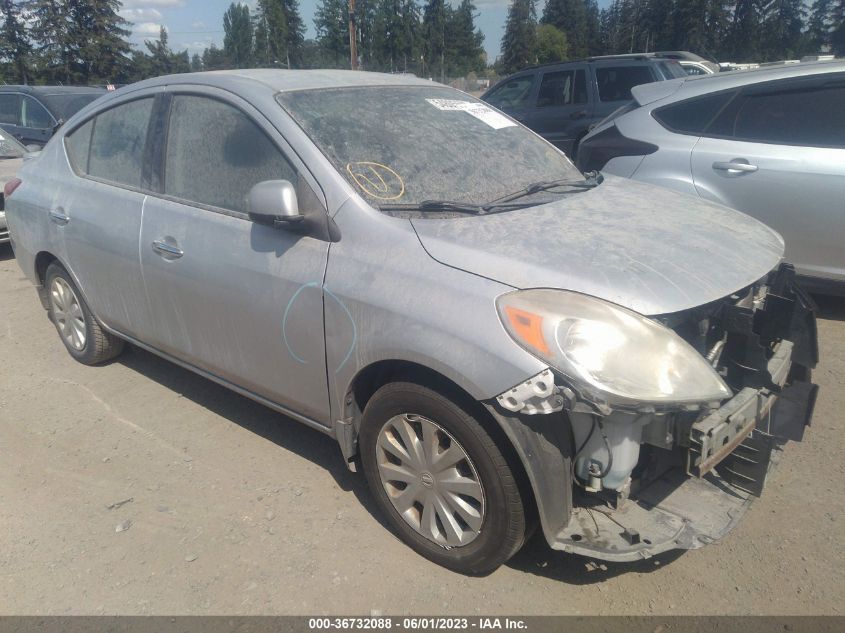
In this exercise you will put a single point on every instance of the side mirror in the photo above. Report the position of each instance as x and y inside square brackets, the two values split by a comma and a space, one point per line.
[274, 202]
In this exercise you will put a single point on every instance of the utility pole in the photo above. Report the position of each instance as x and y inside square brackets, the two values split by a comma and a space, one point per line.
[353, 53]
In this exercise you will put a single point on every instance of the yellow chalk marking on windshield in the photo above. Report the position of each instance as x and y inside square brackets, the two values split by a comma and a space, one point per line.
[374, 180]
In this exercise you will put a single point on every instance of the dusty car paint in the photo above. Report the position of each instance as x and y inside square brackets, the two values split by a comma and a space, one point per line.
[300, 321]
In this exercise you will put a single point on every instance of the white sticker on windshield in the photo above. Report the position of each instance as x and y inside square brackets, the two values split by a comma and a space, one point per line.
[478, 110]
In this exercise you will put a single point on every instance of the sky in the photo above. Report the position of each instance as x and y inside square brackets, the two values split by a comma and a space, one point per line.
[195, 24]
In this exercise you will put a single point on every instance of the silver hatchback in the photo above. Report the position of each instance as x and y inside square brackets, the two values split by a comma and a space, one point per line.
[769, 142]
[497, 340]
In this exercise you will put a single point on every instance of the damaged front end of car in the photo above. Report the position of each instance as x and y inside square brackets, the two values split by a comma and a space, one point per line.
[668, 425]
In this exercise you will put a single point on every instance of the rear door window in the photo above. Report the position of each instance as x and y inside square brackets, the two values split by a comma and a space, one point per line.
[562, 88]
[693, 115]
[118, 141]
[216, 153]
[615, 82]
[787, 113]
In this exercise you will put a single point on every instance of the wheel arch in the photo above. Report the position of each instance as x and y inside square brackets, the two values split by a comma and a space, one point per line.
[375, 375]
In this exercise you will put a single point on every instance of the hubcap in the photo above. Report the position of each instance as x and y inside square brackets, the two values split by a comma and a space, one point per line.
[430, 480]
[68, 314]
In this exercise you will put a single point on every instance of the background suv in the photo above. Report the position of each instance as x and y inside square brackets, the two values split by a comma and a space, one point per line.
[561, 101]
[768, 142]
[31, 113]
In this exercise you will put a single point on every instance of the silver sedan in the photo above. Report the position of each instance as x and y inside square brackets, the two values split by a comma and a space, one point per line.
[495, 339]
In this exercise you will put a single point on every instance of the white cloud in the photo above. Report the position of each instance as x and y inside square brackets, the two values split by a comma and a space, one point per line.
[136, 4]
[146, 28]
[197, 46]
[199, 24]
[142, 15]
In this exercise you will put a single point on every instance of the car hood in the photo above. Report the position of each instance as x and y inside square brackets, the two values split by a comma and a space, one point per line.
[647, 248]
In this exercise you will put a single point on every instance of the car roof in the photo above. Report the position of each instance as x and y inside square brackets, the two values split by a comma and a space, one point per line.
[704, 84]
[51, 90]
[285, 80]
[644, 58]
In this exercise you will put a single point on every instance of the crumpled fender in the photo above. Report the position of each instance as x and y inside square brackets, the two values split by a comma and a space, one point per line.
[544, 445]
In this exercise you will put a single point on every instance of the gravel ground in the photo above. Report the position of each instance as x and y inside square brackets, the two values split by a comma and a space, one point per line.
[140, 488]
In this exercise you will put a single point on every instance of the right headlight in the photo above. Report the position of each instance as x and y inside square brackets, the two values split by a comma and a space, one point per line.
[606, 349]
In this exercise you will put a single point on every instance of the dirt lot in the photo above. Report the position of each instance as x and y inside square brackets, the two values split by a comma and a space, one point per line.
[235, 509]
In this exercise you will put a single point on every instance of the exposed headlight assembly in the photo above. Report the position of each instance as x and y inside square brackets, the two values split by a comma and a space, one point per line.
[608, 351]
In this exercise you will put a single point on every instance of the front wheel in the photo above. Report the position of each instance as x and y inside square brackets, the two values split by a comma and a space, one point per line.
[440, 479]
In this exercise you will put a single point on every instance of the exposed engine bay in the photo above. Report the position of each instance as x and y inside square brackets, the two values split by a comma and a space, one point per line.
[650, 478]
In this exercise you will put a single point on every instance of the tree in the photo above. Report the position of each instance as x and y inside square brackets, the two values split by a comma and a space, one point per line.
[49, 22]
[331, 21]
[196, 63]
[743, 42]
[237, 38]
[819, 25]
[97, 41]
[465, 51]
[837, 35]
[214, 58]
[15, 45]
[396, 35]
[570, 17]
[551, 44]
[519, 41]
[781, 32]
[434, 22]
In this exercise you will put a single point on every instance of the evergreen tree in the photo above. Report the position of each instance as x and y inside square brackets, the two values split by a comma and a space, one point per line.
[435, 17]
[196, 63]
[519, 41]
[781, 30]
[743, 42]
[214, 58]
[837, 35]
[162, 60]
[570, 17]
[295, 37]
[237, 38]
[819, 25]
[594, 44]
[49, 22]
[15, 45]
[465, 50]
[396, 34]
[97, 41]
[331, 21]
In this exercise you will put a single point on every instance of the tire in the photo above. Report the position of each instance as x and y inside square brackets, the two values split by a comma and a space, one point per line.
[79, 330]
[467, 532]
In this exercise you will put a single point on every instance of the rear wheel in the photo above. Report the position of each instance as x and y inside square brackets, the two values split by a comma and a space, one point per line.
[79, 330]
[440, 479]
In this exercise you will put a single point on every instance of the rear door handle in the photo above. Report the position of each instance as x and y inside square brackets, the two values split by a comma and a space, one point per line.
[57, 216]
[579, 115]
[168, 251]
[737, 166]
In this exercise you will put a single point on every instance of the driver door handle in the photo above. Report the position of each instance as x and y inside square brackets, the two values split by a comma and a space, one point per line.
[734, 166]
[168, 251]
[58, 216]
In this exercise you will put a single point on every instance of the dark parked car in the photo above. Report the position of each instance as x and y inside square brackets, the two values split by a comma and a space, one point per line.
[32, 113]
[561, 101]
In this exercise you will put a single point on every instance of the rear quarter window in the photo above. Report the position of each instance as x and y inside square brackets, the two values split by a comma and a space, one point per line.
[692, 116]
[78, 144]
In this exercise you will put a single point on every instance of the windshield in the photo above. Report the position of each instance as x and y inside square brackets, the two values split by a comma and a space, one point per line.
[10, 148]
[64, 106]
[410, 144]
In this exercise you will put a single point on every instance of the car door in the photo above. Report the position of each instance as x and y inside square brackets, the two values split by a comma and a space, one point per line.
[561, 109]
[239, 300]
[96, 208]
[515, 95]
[37, 124]
[777, 153]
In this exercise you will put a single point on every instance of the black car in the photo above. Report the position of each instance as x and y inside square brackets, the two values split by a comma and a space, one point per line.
[32, 113]
[561, 101]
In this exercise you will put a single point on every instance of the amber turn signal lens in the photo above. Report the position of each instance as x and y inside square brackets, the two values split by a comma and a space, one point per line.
[529, 327]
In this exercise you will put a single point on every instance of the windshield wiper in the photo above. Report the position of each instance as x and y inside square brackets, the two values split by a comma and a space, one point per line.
[592, 180]
[436, 205]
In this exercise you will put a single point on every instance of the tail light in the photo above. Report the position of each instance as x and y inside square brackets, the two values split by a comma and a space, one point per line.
[10, 187]
[595, 152]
